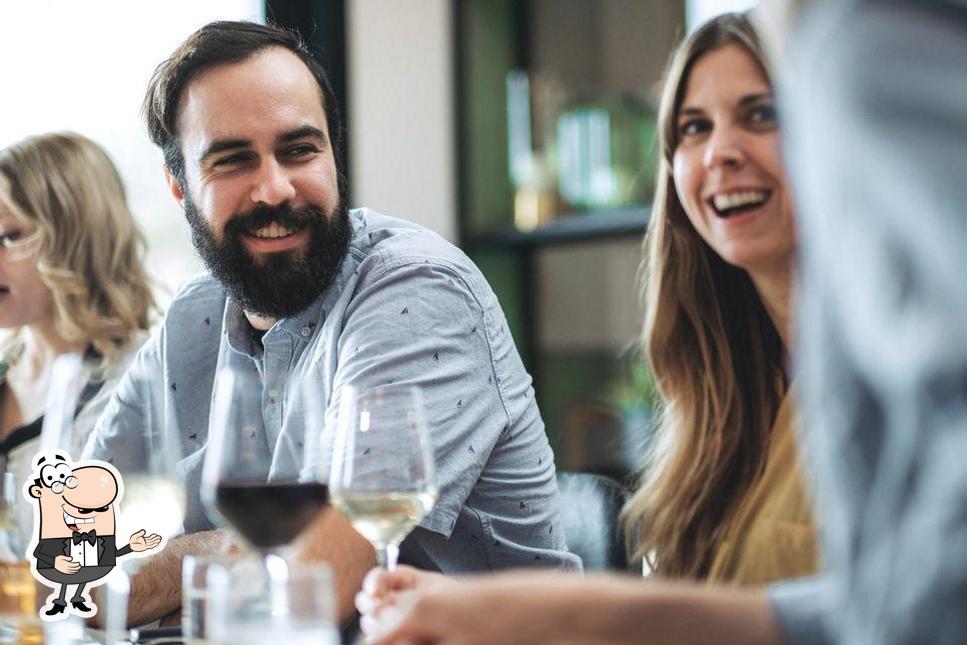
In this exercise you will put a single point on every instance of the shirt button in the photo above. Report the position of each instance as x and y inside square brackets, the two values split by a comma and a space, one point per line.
[306, 331]
[273, 394]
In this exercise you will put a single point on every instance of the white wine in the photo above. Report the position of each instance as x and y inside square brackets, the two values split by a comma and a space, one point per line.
[17, 589]
[384, 517]
[19, 621]
[155, 504]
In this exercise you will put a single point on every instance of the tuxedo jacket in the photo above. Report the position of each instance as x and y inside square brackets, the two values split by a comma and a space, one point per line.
[49, 548]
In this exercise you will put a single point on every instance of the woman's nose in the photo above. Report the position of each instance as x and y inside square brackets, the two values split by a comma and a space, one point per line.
[723, 148]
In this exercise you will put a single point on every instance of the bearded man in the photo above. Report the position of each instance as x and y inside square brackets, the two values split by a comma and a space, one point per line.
[300, 288]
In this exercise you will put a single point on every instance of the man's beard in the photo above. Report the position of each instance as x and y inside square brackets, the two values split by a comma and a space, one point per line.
[277, 285]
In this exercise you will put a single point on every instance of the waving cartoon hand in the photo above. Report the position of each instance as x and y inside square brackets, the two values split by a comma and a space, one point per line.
[140, 542]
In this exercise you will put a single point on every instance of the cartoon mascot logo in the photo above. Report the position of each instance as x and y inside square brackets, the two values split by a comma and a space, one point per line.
[74, 527]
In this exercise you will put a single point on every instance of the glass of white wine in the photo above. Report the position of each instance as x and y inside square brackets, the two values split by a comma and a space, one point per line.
[382, 476]
[153, 495]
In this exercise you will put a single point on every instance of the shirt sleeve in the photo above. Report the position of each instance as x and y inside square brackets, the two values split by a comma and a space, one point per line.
[877, 147]
[117, 437]
[803, 608]
[419, 322]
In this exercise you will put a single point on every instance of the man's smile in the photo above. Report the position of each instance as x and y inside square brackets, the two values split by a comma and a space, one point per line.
[72, 521]
[70, 516]
[275, 239]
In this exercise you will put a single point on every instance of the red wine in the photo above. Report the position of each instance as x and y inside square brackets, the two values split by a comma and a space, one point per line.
[270, 515]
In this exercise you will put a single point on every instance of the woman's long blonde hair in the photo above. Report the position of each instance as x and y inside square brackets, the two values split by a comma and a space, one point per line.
[89, 249]
[715, 354]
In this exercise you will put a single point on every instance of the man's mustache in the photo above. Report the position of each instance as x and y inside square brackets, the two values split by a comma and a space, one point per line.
[284, 215]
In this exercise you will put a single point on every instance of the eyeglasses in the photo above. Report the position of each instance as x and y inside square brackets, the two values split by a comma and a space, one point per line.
[58, 486]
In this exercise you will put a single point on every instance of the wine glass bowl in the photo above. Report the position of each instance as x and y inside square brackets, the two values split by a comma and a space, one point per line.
[382, 475]
[267, 496]
[270, 515]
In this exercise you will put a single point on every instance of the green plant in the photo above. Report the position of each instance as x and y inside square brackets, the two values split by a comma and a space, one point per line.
[635, 391]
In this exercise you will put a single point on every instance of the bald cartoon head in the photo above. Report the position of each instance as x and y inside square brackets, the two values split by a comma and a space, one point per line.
[74, 499]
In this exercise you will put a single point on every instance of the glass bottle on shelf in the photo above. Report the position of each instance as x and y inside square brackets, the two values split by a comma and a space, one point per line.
[533, 103]
[606, 152]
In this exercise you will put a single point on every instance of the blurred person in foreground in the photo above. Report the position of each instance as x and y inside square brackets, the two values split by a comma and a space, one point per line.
[877, 132]
[302, 288]
[877, 122]
[71, 280]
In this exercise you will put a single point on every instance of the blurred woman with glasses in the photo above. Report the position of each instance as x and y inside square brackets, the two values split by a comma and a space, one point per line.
[71, 280]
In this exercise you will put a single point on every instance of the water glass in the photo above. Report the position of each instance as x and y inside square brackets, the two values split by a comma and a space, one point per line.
[247, 607]
[195, 592]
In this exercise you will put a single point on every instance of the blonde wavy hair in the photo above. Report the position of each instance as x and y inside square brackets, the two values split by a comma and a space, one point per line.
[89, 249]
[716, 356]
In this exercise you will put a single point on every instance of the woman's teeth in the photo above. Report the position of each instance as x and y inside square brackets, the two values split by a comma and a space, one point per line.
[731, 203]
[273, 230]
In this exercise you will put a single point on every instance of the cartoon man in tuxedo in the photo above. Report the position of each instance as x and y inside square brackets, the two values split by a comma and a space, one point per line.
[76, 520]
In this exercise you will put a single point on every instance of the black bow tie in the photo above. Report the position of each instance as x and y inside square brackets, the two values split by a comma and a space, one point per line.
[79, 537]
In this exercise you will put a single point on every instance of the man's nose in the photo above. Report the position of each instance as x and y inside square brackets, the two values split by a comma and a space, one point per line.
[272, 184]
[724, 148]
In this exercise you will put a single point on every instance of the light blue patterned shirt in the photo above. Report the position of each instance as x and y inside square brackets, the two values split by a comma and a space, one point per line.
[876, 143]
[406, 307]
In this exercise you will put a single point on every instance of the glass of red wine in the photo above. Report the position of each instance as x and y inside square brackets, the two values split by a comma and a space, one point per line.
[259, 477]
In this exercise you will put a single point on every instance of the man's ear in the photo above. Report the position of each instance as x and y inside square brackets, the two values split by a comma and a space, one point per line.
[34, 491]
[174, 187]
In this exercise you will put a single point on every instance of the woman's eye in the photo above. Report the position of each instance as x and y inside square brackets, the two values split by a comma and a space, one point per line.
[693, 127]
[763, 114]
[7, 239]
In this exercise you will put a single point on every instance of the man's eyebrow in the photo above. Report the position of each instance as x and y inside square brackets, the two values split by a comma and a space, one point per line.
[221, 145]
[305, 132]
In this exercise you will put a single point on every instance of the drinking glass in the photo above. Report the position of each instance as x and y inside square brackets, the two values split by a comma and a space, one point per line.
[196, 593]
[267, 495]
[382, 474]
[302, 611]
[68, 376]
[19, 622]
[152, 496]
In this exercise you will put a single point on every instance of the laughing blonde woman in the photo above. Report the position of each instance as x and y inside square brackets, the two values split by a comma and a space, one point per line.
[722, 498]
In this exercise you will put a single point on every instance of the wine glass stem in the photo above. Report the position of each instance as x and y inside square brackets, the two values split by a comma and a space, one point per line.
[387, 556]
[116, 610]
[278, 570]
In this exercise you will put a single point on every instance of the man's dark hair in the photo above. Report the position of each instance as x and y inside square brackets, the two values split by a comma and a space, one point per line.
[215, 44]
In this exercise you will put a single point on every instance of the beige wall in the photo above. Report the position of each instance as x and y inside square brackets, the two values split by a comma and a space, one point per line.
[589, 296]
[401, 110]
[623, 43]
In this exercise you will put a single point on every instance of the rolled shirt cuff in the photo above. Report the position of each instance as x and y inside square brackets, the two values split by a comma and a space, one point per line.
[803, 609]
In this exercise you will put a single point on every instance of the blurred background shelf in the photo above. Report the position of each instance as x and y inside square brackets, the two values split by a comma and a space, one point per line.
[569, 287]
[570, 228]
